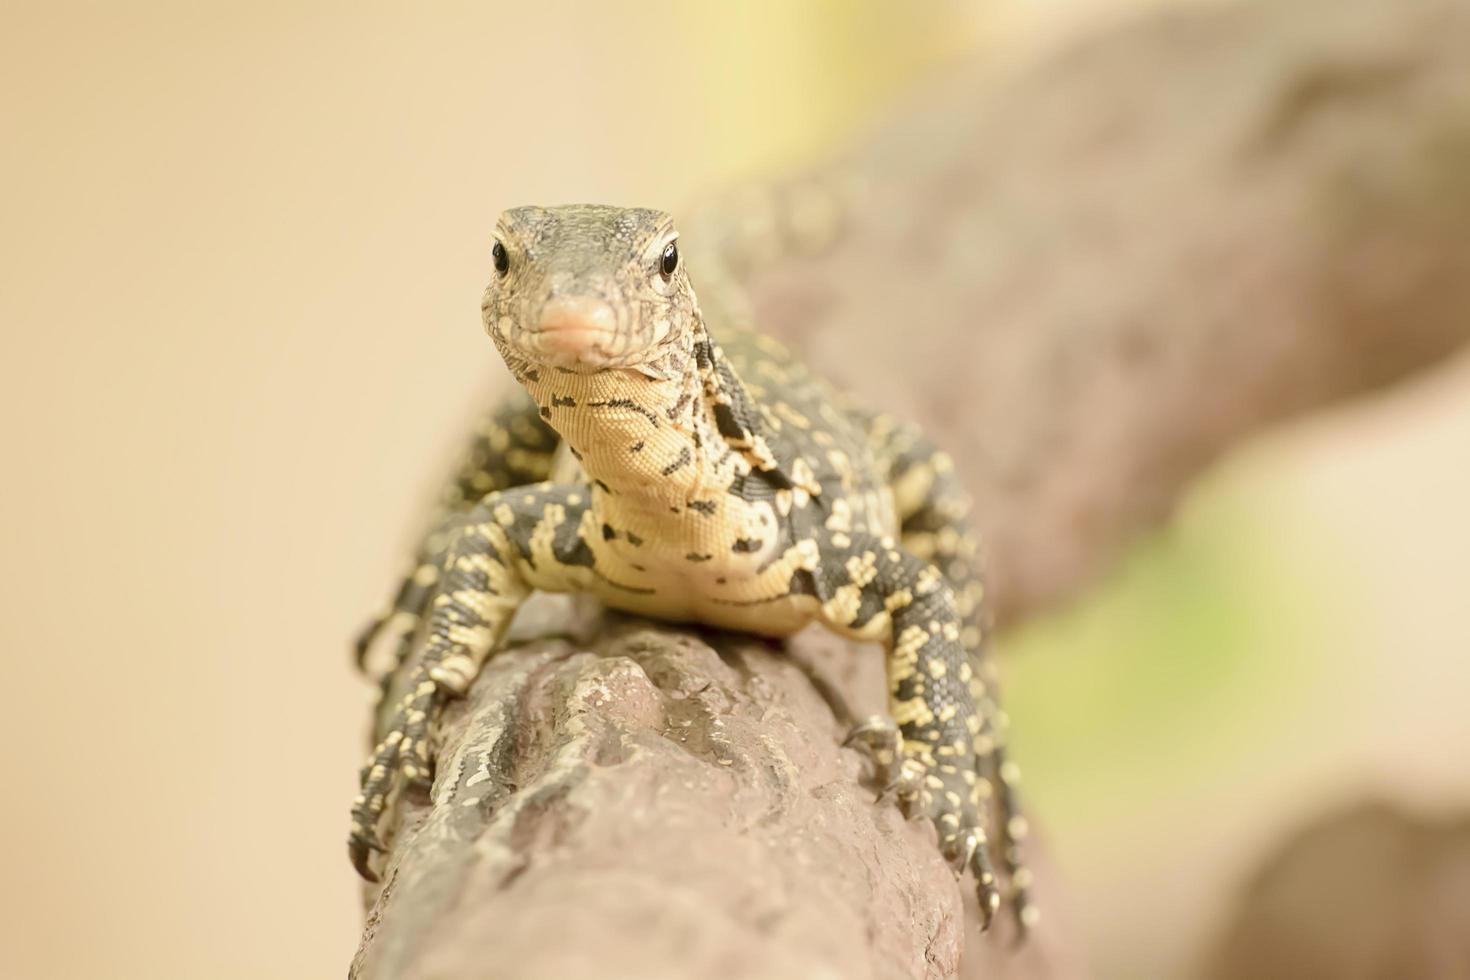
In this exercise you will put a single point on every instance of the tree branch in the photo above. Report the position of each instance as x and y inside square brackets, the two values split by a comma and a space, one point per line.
[1089, 280]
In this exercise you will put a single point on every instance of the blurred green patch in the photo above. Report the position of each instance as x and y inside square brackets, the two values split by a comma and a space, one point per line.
[1170, 673]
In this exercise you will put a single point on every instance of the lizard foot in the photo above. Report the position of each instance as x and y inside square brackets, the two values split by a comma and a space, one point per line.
[878, 739]
[952, 796]
[958, 802]
[400, 760]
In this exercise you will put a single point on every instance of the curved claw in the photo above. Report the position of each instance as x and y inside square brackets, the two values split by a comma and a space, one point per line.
[900, 778]
[986, 885]
[874, 732]
[362, 644]
[878, 738]
[363, 841]
[368, 808]
[407, 625]
[361, 846]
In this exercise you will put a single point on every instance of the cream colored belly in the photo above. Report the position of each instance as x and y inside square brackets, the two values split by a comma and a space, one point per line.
[645, 567]
[746, 591]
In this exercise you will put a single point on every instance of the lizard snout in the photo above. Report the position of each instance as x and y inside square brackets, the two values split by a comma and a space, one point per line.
[572, 328]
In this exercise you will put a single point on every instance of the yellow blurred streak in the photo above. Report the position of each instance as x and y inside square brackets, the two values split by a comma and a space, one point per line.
[788, 80]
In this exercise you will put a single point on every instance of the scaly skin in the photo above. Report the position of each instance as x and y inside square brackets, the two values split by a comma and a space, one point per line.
[717, 483]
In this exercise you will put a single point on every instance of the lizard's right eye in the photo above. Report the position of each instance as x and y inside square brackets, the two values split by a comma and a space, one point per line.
[500, 258]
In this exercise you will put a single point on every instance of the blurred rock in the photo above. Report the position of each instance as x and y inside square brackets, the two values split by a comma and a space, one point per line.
[1368, 893]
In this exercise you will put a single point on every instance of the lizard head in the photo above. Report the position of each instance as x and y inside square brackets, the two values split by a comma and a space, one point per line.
[589, 288]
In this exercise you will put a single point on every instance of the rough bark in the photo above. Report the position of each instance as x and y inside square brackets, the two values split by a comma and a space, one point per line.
[1089, 279]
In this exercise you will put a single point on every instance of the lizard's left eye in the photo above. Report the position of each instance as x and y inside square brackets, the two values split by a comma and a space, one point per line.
[668, 263]
[500, 258]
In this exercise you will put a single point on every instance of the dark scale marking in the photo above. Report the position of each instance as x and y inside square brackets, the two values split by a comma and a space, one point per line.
[746, 545]
[684, 458]
[627, 403]
[563, 401]
[637, 447]
[697, 557]
[870, 605]
[633, 539]
[753, 487]
[730, 427]
[803, 583]
[476, 580]
[608, 533]
[706, 507]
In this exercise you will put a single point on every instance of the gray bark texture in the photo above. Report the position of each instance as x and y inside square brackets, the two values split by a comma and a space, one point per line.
[1088, 279]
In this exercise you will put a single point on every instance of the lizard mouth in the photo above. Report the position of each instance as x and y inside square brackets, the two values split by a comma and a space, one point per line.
[573, 345]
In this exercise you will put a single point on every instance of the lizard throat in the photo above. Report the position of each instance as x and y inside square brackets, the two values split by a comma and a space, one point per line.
[653, 442]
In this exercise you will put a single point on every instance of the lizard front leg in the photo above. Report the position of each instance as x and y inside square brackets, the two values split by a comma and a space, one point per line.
[870, 588]
[512, 542]
[934, 510]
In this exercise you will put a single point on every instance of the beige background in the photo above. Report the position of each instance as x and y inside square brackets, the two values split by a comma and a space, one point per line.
[242, 253]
